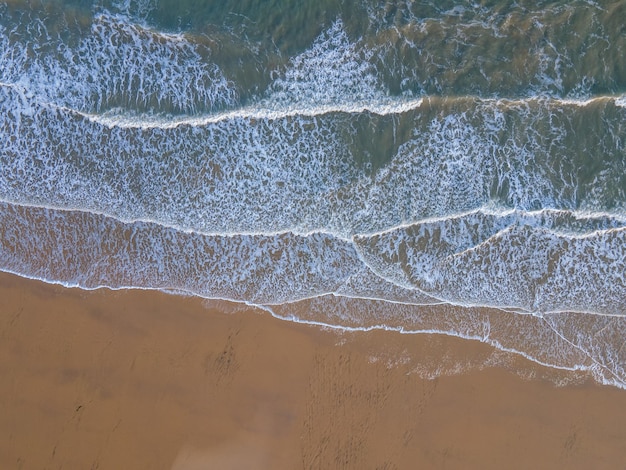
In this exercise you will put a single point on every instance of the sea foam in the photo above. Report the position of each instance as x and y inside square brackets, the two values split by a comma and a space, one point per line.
[128, 161]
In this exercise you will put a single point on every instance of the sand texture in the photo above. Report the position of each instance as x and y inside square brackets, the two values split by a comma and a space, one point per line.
[146, 380]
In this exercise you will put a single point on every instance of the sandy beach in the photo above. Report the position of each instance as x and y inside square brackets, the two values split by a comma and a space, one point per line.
[417, 209]
[146, 380]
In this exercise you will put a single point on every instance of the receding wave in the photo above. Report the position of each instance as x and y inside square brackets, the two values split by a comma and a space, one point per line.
[546, 262]
[570, 341]
[324, 280]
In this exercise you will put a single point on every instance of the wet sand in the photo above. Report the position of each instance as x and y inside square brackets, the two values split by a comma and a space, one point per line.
[146, 380]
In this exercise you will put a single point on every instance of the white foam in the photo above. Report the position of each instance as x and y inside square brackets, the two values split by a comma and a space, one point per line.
[115, 64]
[90, 251]
[542, 342]
[266, 110]
[510, 262]
[298, 173]
[528, 262]
[332, 71]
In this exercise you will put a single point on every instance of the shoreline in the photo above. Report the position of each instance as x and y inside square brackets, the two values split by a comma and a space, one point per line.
[145, 379]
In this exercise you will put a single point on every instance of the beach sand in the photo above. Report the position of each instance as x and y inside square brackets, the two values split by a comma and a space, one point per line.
[145, 380]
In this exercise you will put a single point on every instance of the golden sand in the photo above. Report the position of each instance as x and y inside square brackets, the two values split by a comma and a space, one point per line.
[146, 380]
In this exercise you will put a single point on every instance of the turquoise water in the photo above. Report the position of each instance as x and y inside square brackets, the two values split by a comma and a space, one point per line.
[448, 167]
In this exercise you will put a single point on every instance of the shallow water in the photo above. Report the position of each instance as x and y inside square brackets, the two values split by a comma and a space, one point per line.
[420, 167]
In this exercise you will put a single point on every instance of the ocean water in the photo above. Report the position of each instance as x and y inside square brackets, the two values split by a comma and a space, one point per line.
[422, 167]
